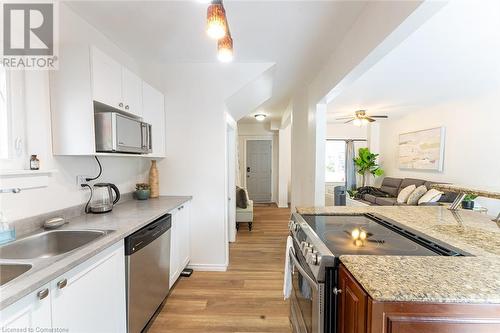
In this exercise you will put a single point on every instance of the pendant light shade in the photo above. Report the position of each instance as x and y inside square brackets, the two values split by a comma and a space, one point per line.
[225, 49]
[216, 21]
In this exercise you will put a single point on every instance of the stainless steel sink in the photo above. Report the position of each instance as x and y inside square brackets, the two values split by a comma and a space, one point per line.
[49, 244]
[9, 272]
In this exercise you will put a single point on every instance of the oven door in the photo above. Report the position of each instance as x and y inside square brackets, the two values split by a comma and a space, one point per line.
[306, 312]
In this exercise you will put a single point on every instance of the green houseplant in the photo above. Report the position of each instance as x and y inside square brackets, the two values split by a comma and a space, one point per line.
[468, 201]
[366, 163]
[142, 191]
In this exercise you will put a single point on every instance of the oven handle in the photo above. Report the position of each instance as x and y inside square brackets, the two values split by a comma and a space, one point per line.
[296, 263]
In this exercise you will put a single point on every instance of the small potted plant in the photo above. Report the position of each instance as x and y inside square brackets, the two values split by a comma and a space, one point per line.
[468, 201]
[142, 191]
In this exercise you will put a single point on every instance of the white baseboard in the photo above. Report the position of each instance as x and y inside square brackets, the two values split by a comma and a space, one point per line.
[208, 267]
[282, 206]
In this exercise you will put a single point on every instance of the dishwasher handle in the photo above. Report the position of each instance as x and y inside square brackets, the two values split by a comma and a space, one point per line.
[147, 234]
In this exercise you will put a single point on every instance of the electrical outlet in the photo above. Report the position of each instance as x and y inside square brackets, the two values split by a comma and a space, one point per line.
[81, 180]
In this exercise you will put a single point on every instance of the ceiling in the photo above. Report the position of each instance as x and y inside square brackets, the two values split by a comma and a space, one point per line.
[454, 55]
[298, 36]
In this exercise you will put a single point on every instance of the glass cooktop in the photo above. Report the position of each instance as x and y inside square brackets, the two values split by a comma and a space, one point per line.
[368, 234]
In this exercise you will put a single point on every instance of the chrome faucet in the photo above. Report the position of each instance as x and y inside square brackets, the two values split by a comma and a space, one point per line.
[10, 190]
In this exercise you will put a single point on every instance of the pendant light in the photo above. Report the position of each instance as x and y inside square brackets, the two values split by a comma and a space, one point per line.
[225, 49]
[216, 20]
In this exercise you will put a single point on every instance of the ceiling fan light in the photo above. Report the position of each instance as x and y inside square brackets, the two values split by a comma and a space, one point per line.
[260, 117]
[364, 121]
[216, 21]
[357, 122]
[225, 49]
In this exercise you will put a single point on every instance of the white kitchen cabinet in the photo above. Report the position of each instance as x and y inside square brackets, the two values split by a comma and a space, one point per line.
[106, 79]
[114, 85]
[88, 298]
[31, 311]
[92, 297]
[153, 103]
[180, 245]
[131, 92]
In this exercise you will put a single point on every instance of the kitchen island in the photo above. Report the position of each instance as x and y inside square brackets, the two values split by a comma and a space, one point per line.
[423, 294]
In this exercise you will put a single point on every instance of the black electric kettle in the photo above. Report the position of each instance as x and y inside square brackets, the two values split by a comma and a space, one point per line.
[101, 198]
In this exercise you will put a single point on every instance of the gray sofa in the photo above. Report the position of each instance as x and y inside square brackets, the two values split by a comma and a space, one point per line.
[392, 186]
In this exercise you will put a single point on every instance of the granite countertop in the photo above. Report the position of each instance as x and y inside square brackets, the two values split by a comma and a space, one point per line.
[470, 279]
[125, 219]
[480, 192]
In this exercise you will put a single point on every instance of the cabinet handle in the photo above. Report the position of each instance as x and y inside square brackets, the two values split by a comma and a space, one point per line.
[63, 283]
[120, 104]
[126, 107]
[181, 207]
[43, 293]
[337, 291]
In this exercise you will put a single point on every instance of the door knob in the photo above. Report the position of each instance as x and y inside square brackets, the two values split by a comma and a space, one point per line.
[120, 104]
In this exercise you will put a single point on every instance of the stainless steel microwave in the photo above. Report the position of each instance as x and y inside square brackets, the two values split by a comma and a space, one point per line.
[117, 133]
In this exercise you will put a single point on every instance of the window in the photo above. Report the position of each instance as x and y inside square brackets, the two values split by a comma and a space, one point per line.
[4, 115]
[335, 161]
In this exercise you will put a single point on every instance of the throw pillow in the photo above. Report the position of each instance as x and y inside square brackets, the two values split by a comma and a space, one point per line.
[405, 193]
[416, 195]
[241, 198]
[432, 195]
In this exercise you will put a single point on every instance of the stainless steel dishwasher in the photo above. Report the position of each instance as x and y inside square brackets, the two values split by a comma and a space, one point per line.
[147, 253]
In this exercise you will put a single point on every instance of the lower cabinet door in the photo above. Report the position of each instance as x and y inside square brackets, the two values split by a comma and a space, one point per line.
[175, 263]
[91, 297]
[185, 244]
[180, 245]
[31, 313]
[353, 303]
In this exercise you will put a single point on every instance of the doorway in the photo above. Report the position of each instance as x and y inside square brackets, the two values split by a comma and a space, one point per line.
[259, 154]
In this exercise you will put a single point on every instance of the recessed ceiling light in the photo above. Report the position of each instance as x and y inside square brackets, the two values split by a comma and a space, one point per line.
[260, 117]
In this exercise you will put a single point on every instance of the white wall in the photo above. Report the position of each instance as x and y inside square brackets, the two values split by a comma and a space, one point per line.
[370, 38]
[346, 131]
[196, 160]
[259, 130]
[285, 151]
[472, 138]
[62, 191]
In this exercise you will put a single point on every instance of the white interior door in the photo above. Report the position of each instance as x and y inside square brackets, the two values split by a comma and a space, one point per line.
[259, 169]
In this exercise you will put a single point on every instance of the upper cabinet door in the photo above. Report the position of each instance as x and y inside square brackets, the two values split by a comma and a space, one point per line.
[131, 92]
[154, 114]
[106, 80]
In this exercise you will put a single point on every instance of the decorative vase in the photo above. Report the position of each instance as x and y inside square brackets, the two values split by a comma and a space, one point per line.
[154, 181]
[468, 205]
[142, 194]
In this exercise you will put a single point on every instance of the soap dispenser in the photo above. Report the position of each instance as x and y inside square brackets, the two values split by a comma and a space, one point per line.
[7, 231]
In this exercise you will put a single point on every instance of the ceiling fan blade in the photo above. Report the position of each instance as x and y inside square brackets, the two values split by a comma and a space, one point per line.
[371, 120]
[344, 118]
[347, 122]
[385, 117]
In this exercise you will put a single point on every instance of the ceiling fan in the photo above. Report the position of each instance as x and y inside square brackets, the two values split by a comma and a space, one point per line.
[360, 118]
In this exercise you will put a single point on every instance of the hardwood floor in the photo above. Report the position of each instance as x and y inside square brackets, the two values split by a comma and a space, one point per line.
[246, 298]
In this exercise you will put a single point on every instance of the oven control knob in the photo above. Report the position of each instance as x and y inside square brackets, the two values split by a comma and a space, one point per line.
[312, 258]
[293, 226]
[306, 250]
[303, 245]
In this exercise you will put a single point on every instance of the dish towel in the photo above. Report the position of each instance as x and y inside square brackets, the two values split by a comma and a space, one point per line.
[287, 280]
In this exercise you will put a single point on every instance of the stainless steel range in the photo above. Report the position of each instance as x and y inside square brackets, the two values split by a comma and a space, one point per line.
[319, 240]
